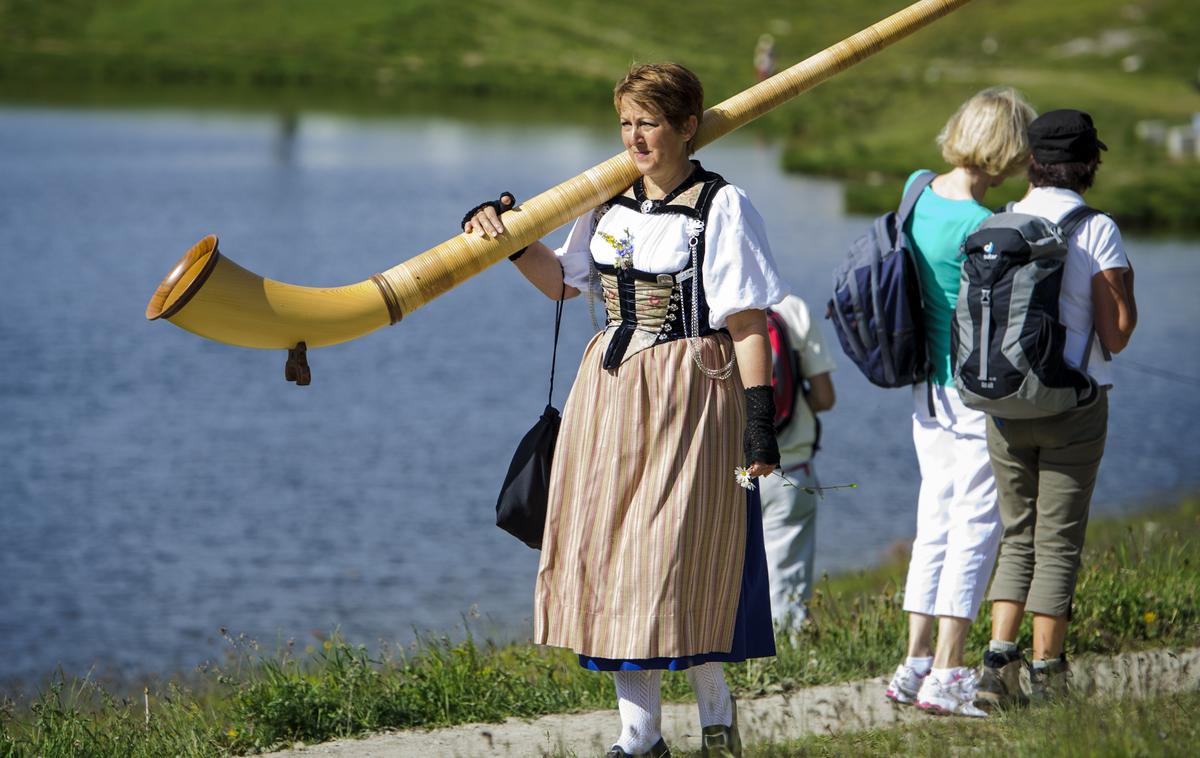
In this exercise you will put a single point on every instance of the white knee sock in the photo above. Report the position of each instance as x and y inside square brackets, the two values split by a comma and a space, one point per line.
[639, 700]
[716, 705]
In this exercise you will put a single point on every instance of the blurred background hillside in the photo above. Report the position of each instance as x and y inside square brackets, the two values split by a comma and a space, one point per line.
[1134, 64]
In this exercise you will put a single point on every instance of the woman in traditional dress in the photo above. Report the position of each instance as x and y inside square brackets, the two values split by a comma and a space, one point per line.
[652, 558]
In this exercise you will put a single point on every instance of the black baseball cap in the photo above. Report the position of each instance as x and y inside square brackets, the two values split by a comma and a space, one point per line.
[1064, 136]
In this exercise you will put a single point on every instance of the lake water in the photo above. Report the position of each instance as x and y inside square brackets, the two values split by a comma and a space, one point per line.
[156, 487]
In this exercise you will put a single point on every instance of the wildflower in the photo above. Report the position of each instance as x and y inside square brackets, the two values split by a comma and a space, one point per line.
[741, 475]
[1149, 617]
[231, 733]
[327, 645]
[820, 491]
[786, 482]
[309, 650]
[623, 248]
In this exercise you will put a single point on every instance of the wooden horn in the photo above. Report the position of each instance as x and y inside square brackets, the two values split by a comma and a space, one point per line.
[210, 295]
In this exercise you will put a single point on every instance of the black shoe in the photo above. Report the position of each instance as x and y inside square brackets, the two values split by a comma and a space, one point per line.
[722, 741]
[659, 750]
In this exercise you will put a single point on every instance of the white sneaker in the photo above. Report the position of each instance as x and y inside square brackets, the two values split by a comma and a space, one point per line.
[905, 684]
[953, 698]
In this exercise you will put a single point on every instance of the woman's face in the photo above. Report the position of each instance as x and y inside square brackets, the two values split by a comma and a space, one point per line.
[656, 147]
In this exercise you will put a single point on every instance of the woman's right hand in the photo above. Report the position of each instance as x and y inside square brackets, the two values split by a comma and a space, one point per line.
[542, 268]
[484, 218]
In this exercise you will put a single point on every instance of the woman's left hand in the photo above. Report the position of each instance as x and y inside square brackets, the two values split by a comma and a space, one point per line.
[758, 468]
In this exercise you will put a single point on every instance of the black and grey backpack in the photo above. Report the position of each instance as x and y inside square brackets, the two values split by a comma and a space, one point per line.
[1007, 340]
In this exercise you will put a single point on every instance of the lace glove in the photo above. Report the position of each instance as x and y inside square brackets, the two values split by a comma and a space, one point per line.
[758, 441]
[505, 202]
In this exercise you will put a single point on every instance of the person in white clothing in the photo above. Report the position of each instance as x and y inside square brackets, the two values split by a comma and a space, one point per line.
[790, 505]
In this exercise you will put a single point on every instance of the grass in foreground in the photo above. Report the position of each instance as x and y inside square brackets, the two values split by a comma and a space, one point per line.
[1163, 726]
[1140, 588]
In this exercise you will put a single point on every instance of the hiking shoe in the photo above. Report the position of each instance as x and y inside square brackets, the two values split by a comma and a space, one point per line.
[660, 750]
[953, 698]
[1051, 682]
[1000, 680]
[721, 741]
[905, 684]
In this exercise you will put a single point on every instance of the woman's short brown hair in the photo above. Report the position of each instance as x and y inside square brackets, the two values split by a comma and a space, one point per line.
[988, 132]
[1075, 175]
[669, 88]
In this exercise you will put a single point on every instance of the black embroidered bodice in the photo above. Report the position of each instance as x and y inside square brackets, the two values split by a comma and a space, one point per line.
[644, 309]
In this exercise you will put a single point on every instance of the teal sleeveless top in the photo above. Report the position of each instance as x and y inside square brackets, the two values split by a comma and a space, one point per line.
[937, 228]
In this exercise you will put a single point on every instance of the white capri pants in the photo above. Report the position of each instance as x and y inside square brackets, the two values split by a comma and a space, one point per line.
[958, 521]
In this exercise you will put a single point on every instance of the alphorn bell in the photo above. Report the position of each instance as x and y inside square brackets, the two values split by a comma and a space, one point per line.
[210, 295]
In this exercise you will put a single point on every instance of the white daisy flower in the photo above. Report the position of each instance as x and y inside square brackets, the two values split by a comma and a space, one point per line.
[741, 475]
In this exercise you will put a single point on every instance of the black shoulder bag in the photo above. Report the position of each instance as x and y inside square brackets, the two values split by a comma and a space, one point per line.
[521, 507]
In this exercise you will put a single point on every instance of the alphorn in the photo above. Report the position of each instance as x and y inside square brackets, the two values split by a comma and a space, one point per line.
[210, 295]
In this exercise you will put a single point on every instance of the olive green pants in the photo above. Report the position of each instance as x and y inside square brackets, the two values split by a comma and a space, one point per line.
[1045, 472]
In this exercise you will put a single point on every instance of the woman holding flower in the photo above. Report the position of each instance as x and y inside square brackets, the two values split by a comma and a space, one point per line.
[653, 556]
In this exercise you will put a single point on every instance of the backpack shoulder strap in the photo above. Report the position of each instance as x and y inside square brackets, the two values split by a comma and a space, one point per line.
[1068, 224]
[909, 200]
[1075, 218]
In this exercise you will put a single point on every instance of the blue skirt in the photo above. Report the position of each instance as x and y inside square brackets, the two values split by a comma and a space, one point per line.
[753, 632]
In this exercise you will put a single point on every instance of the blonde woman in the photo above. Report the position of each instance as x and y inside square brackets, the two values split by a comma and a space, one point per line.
[958, 522]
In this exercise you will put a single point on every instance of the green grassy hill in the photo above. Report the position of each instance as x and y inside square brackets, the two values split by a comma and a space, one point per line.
[1124, 60]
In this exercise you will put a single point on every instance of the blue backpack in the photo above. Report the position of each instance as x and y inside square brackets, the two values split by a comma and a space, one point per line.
[876, 307]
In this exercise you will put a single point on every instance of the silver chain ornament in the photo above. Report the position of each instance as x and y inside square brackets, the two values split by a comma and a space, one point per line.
[697, 228]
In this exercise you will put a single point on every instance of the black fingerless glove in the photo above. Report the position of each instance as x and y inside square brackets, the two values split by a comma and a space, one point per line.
[500, 207]
[758, 441]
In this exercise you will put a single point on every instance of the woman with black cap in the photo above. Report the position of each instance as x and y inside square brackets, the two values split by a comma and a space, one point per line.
[1046, 467]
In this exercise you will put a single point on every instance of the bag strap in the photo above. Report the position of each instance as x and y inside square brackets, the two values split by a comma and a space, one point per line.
[1075, 218]
[909, 201]
[1069, 224]
[558, 309]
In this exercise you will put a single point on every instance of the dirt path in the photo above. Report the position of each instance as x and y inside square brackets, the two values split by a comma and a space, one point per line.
[835, 708]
